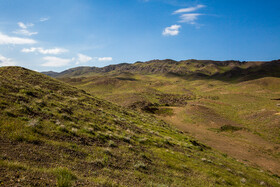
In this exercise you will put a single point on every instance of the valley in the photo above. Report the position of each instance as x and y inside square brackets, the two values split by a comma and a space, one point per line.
[236, 116]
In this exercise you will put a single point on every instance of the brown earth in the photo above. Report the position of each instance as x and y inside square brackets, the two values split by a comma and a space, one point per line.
[242, 145]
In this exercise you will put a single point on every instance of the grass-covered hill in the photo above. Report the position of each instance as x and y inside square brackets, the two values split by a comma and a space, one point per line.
[55, 134]
[221, 70]
[240, 105]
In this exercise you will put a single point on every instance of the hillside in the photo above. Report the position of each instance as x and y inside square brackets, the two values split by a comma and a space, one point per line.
[238, 106]
[202, 69]
[55, 134]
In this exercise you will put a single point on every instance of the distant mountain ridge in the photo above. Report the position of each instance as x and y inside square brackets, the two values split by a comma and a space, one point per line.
[191, 68]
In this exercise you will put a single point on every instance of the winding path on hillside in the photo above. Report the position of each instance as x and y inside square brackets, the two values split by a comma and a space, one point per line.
[245, 146]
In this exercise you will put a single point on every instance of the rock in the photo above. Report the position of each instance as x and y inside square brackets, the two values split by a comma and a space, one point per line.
[33, 123]
[57, 122]
[240, 173]
[243, 180]
[262, 183]
[62, 126]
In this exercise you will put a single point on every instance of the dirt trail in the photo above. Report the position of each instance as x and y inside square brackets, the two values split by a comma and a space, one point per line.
[243, 146]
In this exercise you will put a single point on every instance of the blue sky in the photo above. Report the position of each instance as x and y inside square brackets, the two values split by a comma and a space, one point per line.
[60, 34]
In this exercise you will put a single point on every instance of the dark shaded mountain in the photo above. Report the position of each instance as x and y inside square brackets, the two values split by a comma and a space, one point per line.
[51, 73]
[266, 69]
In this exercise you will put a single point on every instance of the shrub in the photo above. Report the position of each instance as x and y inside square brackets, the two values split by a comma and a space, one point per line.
[64, 177]
[140, 165]
[111, 143]
[164, 111]
[230, 128]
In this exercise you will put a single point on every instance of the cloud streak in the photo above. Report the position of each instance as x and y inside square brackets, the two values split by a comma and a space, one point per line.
[52, 61]
[189, 9]
[24, 26]
[173, 30]
[5, 40]
[189, 18]
[83, 59]
[44, 19]
[104, 58]
[6, 61]
[23, 30]
[53, 51]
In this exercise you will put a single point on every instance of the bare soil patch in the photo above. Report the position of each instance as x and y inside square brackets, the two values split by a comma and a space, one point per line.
[244, 146]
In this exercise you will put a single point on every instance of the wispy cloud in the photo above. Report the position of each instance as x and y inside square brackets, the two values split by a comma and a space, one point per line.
[23, 30]
[4, 61]
[83, 59]
[104, 58]
[173, 30]
[44, 19]
[185, 17]
[53, 51]
[5, 39]
[189, 9]
[24, 26]
[189, 18]
[52, 61]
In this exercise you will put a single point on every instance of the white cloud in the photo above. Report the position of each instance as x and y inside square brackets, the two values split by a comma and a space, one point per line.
[30, 50]
[53, 51]
[190, 9]
[23, 30]
[5, 39]
[6, 61]
[52, 61]
[173, 30]
[104, 58]
[44, 19]
[22, 25]
[189, 18]
[83, 59]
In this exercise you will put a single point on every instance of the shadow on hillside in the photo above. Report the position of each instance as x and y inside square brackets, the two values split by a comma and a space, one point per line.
[237, 74]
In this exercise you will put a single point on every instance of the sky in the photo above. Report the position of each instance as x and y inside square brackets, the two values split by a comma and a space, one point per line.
[60, 34]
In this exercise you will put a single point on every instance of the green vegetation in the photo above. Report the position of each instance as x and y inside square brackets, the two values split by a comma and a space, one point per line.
[55, 134]
[64, 177]
[229, 128]
[234, 99]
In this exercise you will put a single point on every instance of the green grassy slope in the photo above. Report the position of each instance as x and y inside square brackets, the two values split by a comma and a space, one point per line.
[249, 107]
[248, 103]
[55, 134]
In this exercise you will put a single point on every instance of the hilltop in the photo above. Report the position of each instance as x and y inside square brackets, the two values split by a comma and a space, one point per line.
[221, 70]
[56, 134]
